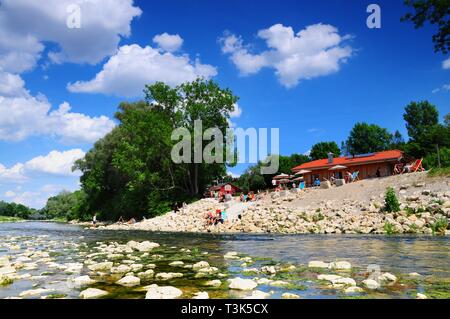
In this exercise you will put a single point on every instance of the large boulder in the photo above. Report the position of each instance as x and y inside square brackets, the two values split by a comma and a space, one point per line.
[168, 275]
[146, 246]
[103, 266]
[200, 265]
[318, 264]
[371, 284]
[83, 281]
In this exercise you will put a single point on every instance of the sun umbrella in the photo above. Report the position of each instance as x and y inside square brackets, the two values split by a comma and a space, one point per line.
[297, 179]
[302, 171]
[281, 176]
[284, 181]
[337, 167]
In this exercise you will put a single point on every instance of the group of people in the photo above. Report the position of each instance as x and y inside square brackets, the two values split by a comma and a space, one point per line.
[215, 218]
[176, 207]
[250, 197]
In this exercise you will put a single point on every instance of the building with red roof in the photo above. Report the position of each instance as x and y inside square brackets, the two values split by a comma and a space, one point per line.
[366, 164]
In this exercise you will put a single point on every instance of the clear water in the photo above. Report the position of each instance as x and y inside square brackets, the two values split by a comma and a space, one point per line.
[429, 256]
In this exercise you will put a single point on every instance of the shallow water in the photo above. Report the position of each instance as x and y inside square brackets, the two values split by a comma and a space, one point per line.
[429, 256]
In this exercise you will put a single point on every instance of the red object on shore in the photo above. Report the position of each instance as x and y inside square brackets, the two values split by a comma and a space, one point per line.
[225, 188]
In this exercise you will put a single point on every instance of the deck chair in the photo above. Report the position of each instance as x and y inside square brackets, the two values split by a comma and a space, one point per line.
[417, 167]
[355, 176]
[301, 185]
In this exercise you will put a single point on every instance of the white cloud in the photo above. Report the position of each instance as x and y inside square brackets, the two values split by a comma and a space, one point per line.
[446, 64]
[236, 112]
[233, 175]
[10, 194]
[23, 115]
[127, 72]
[445, 87]
[25, 25]
[168, 42]
[55, 162]
[315, 51]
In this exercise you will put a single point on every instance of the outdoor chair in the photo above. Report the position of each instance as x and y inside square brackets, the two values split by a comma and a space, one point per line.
[417, 166]
[355, 176]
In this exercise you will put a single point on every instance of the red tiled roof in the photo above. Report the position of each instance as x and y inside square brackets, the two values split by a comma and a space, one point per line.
[349, 161]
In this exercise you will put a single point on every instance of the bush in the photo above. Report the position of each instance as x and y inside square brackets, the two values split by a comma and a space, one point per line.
[440, 226]
[391, 203]
[389, 228]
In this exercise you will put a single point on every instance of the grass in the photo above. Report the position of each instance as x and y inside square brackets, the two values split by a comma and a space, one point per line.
[440, 226]
[441, 172]
[9, 219]
[389, 228]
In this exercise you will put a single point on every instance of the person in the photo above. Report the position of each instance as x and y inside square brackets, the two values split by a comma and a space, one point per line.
[94, 220]
[378, 173]
[218, 217]
[293, 185]
[348, 176]
[121, 220]
[223, 215]
[209, 218]
[184, 208]
[317, 182]
[132, 221]
[175, 207]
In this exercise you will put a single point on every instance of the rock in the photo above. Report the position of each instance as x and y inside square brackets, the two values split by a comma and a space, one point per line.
[34, 292]
[92, 293]
[268, 270]
[176, 264]
[258, 294]
[200, 265]
[146, 274]
[121, 269]
[353, 289]
[213, 283]
[168, 275]
[231, 255]
[414, 274]
[263, 281]
[201, 295]
[104, 266]
[83, 281]
[344, 281]
[318, 264]
[340, 265]
[371, 284]
[426, 192]
[164, 292]
[387, 277]
[146, 246]
[7, 270]
[129, 281]
[242, 284]
[330, 278]
[288, 295]
[278, 283]
[421, 296]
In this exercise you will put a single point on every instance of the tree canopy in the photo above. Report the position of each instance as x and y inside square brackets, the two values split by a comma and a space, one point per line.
[368, 138]
[321, 150]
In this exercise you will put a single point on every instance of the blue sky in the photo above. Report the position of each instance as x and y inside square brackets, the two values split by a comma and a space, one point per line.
[52, 106]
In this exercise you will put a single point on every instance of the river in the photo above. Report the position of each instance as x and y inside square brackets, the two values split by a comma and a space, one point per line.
[68, 244]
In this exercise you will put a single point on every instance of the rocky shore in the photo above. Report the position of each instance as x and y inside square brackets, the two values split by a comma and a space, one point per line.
[355, 208]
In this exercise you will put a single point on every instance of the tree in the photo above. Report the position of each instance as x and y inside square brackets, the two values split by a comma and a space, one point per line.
[368, 138]
[420, 117]
[65, 205]
[321, 150]
[15, 210]
[436, 12]
[397, 141]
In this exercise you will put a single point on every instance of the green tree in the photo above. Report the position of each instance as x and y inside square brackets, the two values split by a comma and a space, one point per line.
[65, 205]
[420, 117]
[367, 138]
[321, 150]
[436, 12]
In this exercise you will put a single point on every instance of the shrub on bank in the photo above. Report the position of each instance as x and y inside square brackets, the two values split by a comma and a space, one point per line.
[391, 203]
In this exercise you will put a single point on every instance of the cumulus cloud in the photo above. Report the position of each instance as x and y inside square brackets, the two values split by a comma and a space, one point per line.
[236, 112]
[23, 115]
[54, 163]
[446, 64]
[315, 51]
[26, 25]
[133, 66]
[168, 42]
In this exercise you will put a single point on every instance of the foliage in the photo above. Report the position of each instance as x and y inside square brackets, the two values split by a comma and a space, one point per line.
[321, 150]
[130, 172]
[445, 172]
[65, 205]
[440, 226]
[436, 13]
[391, 203]
[368, 138]
[389, 228]
[15, 210]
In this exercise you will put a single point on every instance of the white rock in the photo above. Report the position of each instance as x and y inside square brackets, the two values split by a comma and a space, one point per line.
[83, 281]
[340, 265]
[168, 275]
[176, 263]
[288, 295]
[421, 296]
[164, 292]
[387, 277]
[92, 293]
[268, 270]
[34, 292]
[7, 270]
[258, 294]
[371, 284]
[231, 255]
[146, 246]
[318, 264]
[353, 289]
[242, 284]
[201, 295]
[146, 274]
[129, 281]
[104, 266]
[200, 265]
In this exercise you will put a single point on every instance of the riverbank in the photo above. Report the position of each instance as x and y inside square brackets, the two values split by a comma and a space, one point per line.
[355, 208]
[9, 219]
